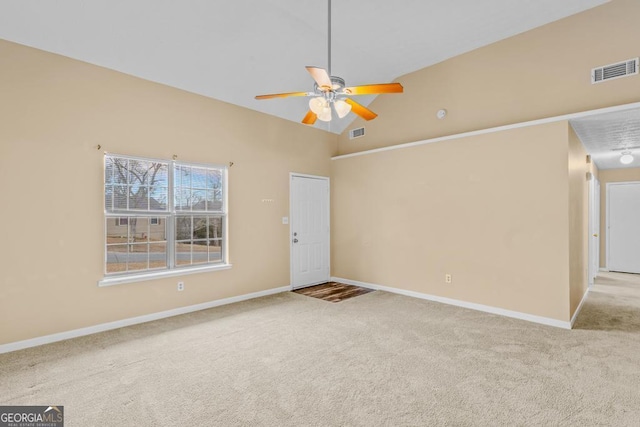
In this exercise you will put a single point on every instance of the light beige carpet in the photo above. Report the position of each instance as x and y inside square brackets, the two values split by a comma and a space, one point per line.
[376, 360]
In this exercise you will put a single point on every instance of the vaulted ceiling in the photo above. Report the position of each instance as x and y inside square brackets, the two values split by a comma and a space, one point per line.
[234, 50]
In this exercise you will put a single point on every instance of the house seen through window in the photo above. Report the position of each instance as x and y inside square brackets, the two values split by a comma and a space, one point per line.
[162, 215]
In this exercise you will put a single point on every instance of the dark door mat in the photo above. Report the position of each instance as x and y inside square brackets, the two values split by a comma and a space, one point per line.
[333, 291]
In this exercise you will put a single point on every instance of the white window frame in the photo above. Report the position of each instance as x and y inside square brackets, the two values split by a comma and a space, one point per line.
[170, 223]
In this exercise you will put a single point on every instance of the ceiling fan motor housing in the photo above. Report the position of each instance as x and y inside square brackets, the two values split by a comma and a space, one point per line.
[337, 84]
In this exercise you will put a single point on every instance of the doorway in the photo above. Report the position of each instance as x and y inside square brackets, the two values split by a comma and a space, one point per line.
[623, 227]
[309, 230]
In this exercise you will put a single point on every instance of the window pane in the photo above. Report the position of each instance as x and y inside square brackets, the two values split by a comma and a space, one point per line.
[139, 185]
[200, 227]
[214, 179]
[215, 250]
[116, 233]
[138, 257]
[199, 178]
[214, 200]
[199, 252]
[108, 198]
[182, 199]
[199, 239]
[183, 176]
[183, 253]
[198, 189]
[116, 258]
[183, 228]
[160, 176]
[108, 170]
[158, 255]
[133, 244]
[120, 197]
[135, 171]
[158, 197]
[138, 197]
[138, 229]
[198, 200]
[118, 168]
[158, 232]
[215, 227]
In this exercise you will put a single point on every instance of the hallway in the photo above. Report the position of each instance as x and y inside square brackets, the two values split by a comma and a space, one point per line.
[613, 304]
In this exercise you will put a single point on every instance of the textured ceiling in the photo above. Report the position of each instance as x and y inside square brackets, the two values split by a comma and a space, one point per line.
[234, 50]
[606, 136]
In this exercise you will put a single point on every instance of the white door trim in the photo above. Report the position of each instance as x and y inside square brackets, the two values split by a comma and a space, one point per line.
[325, 178]
[609, 185]
[594, 229]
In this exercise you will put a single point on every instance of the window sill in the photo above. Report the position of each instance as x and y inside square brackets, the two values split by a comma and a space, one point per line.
[131, 278]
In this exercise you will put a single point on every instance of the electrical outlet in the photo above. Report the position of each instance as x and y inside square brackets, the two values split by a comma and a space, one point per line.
[447, 278]
[181, 286]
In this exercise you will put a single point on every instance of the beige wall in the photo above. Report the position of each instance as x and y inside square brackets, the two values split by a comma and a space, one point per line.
[54, 113]
[492, 210]
[607, 176]
[578, 221]
[541, 73]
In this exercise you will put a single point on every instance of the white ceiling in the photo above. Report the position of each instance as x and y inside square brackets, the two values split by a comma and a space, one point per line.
[606, 136]
[233, 50]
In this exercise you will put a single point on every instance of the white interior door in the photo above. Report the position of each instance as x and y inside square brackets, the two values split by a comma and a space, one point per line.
[309, 227]
[594, 229]
[623, 226]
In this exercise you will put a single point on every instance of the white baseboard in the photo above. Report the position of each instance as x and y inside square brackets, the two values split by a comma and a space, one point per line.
[473, 306]
[575, 315]
[61, 336]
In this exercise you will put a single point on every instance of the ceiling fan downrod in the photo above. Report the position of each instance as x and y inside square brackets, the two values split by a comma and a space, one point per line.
[329, 40]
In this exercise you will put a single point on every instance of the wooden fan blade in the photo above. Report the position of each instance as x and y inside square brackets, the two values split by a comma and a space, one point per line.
[321, 77]
[374, 89]
[361, 110]
[281, 95]
[310, 118]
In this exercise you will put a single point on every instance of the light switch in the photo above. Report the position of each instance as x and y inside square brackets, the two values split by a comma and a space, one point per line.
[285, 220]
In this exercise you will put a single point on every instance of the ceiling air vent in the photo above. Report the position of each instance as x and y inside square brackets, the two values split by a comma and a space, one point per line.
[356, 133]
[614, 71]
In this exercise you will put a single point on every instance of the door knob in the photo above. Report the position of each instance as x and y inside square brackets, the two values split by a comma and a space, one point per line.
[295, 240]
[595, 235]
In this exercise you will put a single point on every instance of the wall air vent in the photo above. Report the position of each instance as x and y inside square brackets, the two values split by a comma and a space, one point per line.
[614, 71]
[356, 133]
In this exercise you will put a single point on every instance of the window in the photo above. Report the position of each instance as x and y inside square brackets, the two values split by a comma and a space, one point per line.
[162, 215]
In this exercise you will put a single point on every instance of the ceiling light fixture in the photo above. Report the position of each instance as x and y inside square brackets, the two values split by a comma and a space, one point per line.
[317, 104]
[626, 158]
[342, 108]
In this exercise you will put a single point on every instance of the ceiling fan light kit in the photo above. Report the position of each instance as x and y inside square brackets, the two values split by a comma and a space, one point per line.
[330, 93]
[342, 108]
[626, 158]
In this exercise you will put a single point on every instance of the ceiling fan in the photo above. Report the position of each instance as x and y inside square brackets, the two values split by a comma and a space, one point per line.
[331, 91]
